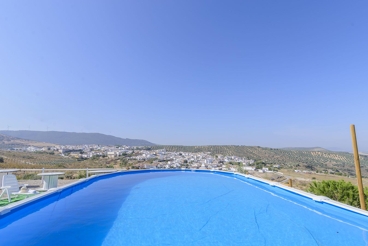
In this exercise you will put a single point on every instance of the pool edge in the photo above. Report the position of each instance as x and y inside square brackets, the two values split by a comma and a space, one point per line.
[321, 199]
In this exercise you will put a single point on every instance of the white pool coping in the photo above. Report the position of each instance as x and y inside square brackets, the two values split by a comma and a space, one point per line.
[321, 199]
[316, 198]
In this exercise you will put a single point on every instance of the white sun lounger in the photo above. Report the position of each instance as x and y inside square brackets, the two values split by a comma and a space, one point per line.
[10, 185]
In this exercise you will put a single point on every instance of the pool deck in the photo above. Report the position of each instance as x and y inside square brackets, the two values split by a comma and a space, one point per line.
[68, 183]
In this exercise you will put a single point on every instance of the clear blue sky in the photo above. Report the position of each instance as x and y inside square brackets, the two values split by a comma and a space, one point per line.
[267, 73]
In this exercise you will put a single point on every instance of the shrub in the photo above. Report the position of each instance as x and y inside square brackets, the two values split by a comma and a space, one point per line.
[341, 191]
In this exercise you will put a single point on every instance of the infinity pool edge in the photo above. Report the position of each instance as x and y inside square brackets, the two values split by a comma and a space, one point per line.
[320, 199]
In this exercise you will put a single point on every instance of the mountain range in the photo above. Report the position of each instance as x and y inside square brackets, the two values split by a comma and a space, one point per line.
[74, 138]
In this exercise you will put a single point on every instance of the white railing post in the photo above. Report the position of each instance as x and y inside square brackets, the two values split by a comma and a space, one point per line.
[43, 170]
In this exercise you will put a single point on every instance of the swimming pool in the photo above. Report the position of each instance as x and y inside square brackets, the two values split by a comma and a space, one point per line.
[180, 208]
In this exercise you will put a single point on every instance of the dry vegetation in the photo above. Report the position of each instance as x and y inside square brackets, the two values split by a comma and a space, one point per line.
[303, 180]
[51, 160]
[15, 159]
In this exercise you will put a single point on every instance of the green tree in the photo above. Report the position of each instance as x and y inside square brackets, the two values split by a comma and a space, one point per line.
[259, 164]
[341, 191]
[1, 159]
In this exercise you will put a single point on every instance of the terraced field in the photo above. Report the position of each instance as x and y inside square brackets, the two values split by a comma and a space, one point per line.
[338, 162]
[14, 159]
[34, 158]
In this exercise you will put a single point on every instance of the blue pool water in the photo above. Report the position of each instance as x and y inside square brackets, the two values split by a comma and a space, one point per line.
[180, 208]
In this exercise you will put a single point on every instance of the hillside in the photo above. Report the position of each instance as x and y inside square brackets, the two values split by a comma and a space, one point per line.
[73, 138]
[9, 142]
[307, 149]
[322, 161]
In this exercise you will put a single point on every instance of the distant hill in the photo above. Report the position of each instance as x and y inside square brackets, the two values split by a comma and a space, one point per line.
[74, 138]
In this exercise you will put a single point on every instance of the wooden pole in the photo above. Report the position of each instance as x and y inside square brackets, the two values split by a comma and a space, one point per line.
[290, 182]
[357, 167]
